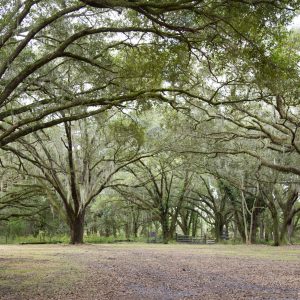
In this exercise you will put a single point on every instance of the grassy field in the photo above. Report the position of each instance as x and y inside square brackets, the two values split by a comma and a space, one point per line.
[149, 271]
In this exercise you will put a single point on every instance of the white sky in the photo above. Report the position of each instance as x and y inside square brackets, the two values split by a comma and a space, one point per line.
[295, 23]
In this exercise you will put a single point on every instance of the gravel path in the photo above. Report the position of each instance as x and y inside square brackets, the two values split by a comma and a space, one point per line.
[163, 272]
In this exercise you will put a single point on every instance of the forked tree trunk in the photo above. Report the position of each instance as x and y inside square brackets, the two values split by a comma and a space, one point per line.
[184, 224]
[77, 229]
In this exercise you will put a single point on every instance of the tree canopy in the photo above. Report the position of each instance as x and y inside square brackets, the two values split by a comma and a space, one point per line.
[184, 112]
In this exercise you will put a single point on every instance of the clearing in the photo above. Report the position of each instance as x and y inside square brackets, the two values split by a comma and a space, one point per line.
[148, 271]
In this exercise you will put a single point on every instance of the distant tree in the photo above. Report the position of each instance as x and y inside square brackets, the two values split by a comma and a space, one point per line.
[281, 200]
[211, 200]
[159, 185]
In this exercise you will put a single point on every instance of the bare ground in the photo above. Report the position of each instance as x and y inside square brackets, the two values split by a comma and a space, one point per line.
[141, 271]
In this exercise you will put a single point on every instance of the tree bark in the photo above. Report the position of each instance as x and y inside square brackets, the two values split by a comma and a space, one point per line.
[185, 222]
[275, 221]
[127, 231]
[261, 229]
[253, 236]
[194, 223]
[290, 232]
[135, 229]
[165, 228]
[285, 230]
[276, 230]
[219, 225]
[77, 229]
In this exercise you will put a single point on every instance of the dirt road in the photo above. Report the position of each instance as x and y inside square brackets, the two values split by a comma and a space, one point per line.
[141, 271]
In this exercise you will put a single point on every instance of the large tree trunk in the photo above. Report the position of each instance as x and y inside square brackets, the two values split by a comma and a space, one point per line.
[275, 220]
[286, 229]
[135, 229]
[184, 224]
[127, 231]
[288, 215]
[77, 229]
[219, 225]
[107, 231]
[261, 229]
[194, 223]
[276, 230]
[290, 232]
[172, 226]
[165, 228]
[254, 228]
[238, 221]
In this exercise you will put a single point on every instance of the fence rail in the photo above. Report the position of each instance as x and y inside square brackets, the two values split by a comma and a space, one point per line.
[193, 240]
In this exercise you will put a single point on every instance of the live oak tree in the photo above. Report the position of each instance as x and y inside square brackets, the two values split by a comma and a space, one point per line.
[73, 163]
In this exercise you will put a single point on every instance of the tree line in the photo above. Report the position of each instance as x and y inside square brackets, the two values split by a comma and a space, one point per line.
[130, 116]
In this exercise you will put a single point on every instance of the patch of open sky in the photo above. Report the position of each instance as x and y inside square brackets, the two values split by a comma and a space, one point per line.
[295, 24]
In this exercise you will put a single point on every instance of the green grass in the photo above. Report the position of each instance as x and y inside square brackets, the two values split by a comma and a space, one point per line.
[33, 239]
[283, 253]
[96, 239]
[64, 239]
[43, 268]
[26, 267]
